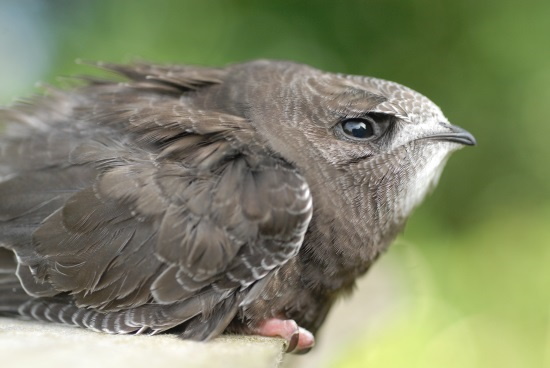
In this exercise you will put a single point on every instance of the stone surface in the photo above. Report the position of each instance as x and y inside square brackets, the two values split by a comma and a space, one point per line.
[34, 344]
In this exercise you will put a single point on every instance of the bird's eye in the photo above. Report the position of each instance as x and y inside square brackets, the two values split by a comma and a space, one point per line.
[366, 128]
[358, 128]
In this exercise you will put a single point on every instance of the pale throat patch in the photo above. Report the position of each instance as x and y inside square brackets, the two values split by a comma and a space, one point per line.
[425, 178]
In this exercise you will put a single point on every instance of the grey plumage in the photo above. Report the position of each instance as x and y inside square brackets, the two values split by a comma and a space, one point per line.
[207, 199]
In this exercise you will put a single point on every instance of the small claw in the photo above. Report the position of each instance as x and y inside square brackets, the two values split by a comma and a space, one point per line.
[298, 339]
[293, 342]
[141, 330]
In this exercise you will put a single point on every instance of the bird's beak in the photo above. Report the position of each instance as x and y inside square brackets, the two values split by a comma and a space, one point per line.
[456, 135]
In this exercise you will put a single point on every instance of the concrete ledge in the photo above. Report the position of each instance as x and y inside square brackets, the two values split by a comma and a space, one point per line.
[35, 344]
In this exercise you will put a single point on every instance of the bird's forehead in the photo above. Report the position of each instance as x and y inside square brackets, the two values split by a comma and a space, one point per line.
[418, 107]
[396, 99]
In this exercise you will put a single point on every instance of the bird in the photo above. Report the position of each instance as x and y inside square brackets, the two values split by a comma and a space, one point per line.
[196, 200]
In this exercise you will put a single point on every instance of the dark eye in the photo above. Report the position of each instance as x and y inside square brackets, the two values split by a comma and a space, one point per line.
[358, 128]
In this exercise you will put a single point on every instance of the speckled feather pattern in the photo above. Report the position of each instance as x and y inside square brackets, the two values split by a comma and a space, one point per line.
[205, 199]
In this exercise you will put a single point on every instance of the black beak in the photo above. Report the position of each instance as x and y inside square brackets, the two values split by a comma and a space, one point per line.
[457, 135]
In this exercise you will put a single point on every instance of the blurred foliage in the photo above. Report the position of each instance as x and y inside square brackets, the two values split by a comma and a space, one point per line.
[478, 299]
[483, 236]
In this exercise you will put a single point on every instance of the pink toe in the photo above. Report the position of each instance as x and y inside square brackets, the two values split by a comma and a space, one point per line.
[298, 339]
[306, 340]
[277, 327]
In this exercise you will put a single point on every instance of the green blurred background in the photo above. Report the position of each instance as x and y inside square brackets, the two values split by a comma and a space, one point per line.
[467, 284]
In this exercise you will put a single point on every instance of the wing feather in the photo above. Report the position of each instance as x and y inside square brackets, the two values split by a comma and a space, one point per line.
[173, 213]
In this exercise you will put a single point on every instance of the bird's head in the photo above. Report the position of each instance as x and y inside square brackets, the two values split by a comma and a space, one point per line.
[372, 146]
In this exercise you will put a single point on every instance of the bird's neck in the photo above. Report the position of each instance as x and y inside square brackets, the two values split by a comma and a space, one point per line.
[343, 241]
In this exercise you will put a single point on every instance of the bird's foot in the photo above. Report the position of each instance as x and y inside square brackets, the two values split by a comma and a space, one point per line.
[298, 339]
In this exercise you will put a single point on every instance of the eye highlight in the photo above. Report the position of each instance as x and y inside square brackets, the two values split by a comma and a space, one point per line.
[358, 128]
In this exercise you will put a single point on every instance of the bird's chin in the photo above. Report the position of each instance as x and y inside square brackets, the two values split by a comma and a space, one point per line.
[426, 175]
